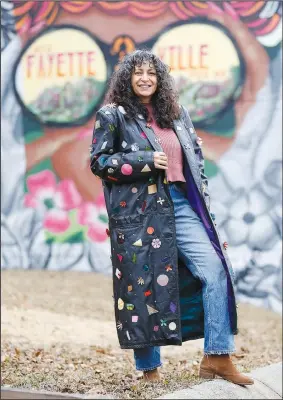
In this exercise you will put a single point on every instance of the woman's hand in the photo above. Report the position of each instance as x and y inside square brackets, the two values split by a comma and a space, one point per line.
[160, 160]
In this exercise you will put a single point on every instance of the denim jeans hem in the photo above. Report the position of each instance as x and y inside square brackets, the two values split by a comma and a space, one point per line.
[218, 352]
[149, 369]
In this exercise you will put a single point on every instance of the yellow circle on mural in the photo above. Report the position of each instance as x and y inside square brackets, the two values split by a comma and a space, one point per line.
[61, 75]
[205, 64]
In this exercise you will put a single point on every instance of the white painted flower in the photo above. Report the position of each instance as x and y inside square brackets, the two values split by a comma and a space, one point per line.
[111, 105]
[135, 147]
[249, 219]
[263, 273]
[156, 243]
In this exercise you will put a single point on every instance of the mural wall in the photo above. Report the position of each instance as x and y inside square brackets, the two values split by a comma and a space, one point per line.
[57, 57]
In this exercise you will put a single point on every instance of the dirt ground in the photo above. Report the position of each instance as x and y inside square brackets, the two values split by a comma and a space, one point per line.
[59, 334]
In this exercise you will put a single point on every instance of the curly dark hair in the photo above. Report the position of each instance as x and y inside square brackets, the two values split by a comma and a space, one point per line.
[165, 99]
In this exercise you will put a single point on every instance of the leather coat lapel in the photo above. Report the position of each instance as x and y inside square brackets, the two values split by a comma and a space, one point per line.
[149, 134]
[188, 148]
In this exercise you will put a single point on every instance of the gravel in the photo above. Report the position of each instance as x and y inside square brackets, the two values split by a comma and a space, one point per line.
[59, 334]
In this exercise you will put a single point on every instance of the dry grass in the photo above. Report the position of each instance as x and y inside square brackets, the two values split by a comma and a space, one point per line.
[58, 334]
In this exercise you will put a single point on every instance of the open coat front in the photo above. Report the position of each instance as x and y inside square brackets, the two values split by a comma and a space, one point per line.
[157, 300]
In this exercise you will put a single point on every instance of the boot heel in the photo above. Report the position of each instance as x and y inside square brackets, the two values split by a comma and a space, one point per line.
[206, 374]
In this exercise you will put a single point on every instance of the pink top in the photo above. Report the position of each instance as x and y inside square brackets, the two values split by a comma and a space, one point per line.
[171, 147]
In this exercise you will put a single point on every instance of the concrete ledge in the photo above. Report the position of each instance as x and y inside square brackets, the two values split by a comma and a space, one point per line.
[268, 385]
[13, 393]
[271, 377]
[8, 393]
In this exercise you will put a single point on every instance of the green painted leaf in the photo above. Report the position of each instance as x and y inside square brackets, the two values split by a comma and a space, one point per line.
[77, 237]
[103, 218]
[50, 240]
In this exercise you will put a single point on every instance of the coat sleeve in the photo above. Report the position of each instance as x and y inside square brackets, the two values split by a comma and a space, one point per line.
[110, 165]
[197, 149]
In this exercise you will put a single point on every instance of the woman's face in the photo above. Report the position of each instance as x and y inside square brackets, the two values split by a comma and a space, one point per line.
[144, 81]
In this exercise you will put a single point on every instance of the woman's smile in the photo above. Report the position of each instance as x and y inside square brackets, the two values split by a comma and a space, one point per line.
[143, 86]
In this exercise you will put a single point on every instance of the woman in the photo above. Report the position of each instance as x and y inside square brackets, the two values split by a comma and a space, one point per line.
[172, 278]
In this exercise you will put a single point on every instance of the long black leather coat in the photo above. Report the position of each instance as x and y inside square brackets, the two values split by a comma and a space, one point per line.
[157, 300]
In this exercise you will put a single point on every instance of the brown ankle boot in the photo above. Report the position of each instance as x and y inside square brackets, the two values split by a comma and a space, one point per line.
[151, 376]
[222, 365]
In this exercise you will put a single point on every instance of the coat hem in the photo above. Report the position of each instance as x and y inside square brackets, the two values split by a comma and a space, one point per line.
[151, 344]
[165, 342]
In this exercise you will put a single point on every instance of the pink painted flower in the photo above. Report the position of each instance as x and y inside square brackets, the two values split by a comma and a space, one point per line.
[90, 215]
[53, 199]
[87, 213]
[67, 196]
[96, 232]
[56, 221]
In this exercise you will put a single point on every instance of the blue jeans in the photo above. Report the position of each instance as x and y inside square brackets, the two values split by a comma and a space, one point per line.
[199, 256]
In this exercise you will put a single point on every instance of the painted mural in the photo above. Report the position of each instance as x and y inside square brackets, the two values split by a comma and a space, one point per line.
[57, 57]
